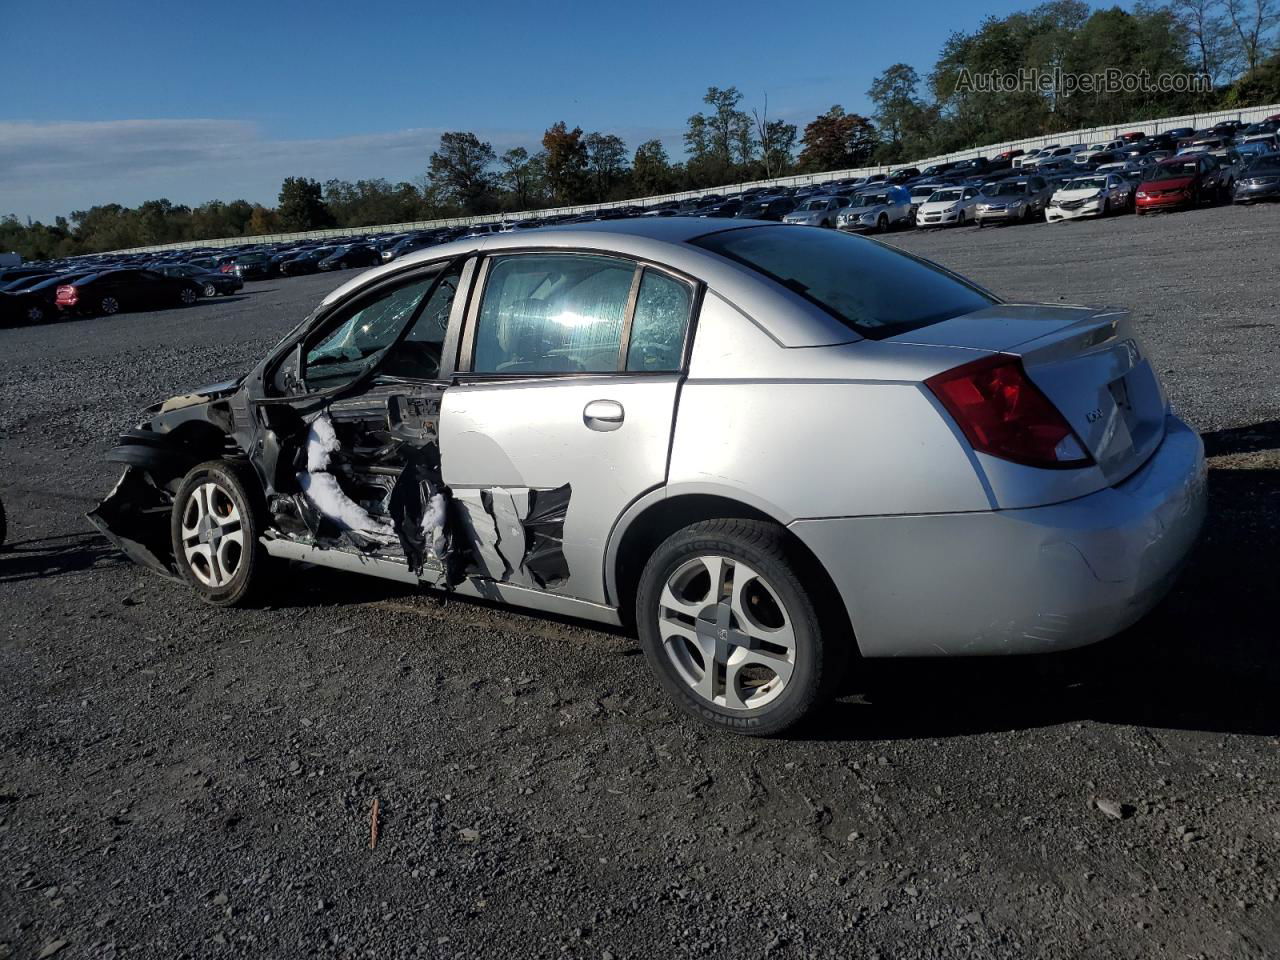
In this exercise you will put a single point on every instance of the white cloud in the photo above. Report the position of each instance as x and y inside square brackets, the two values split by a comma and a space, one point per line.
[48, 169]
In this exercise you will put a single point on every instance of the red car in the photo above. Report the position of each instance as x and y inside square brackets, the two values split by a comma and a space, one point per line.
[1185, 181]
[1133, 135]
[1007, 156]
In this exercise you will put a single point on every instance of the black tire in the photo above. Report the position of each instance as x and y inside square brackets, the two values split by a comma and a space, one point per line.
[1106, 206]
[960, 219]
[109, 306]
[34, 313]
[883, 224]
[821, 644]
[188, 295]
[210, 290]
[229, 584]
[4, 527]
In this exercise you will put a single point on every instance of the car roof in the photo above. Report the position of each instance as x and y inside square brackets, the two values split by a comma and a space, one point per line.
[788, 318]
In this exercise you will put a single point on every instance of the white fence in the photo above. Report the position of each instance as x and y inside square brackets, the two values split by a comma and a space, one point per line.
[1091, 135]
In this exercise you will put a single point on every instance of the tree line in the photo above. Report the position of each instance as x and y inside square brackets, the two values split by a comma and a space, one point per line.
[1231, 42]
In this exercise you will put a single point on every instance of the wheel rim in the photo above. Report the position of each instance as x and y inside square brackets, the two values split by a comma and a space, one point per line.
[188, 295]
[110, 304]
[210, 290]
[34, 314]
[212, 535]
[727, 633]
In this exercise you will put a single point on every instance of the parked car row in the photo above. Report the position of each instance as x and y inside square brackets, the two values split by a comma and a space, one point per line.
[37, 298]
[1185, 167]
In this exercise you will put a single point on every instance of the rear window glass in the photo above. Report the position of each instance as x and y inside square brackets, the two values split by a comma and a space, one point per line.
[873, 289]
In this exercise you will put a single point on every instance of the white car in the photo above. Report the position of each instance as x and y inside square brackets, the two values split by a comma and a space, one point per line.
[948, 206]
[1094, 149]
[1092, 196]
[1035, 156]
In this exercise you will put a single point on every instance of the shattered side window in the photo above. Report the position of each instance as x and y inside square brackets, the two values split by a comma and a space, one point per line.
[553, 313]
[417, 355]
[347, 350]
[657, 332]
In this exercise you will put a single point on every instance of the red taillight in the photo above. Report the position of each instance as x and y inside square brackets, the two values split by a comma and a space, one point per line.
[1004, 414]
[67, 296]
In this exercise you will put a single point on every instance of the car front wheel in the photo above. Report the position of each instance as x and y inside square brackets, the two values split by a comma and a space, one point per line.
[729, 626]
[215, 530]
[187, 296]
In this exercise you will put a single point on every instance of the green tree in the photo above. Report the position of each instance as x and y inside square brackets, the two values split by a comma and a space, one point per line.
[302, 205]
[606, 164]
[651, 170]
[898, 111]
[459, 172]
[720, 142]
[523, 176]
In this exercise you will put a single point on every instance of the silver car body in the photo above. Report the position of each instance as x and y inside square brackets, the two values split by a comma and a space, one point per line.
[1016, 199]
[861, 215]
[817, 211]
[782, 410]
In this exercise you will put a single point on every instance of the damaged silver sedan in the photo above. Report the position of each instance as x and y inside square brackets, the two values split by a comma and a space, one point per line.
[768, 448]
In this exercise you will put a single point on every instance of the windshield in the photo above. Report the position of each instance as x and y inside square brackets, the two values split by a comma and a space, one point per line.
[945, 196]
[873, 289]
[1006, 190]
[921, 193]
[869, 200]
[1086, 183]
[1174, 171]
[815, 205]
[252, 258]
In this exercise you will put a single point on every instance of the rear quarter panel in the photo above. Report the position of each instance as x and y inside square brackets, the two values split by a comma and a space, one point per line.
[846, 430]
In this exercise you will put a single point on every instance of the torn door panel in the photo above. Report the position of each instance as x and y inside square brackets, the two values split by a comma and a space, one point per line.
[516, 534]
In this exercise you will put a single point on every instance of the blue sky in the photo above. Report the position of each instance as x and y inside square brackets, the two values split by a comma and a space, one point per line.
[128, 101]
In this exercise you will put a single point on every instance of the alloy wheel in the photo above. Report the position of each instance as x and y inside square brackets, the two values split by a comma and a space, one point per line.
[210, 290]
[212, 535]
[727, 632]
[34, 314]
[187, 296]
[110, 305]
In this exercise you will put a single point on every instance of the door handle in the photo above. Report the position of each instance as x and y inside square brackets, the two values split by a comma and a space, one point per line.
[603, 415]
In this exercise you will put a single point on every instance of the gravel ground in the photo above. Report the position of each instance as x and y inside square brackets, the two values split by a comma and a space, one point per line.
[182, 782]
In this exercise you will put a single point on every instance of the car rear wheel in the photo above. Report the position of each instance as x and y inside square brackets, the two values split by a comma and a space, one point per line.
[109, 306]
[210, 290]
[187, 296]
[729, 627]
[215, 530]
[35, 314]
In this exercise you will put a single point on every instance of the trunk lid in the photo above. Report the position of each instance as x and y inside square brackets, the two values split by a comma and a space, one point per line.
[1087, 361]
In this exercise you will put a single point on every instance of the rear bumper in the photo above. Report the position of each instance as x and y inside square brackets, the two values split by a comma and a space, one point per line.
[1018, 581]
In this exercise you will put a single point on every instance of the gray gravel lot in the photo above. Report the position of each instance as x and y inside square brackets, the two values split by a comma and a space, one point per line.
[177, 781]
